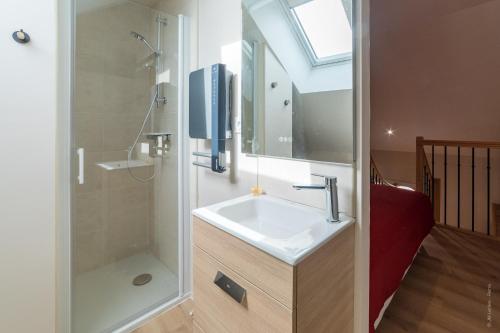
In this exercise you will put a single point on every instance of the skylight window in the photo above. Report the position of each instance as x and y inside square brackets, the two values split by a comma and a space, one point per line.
[324, 28]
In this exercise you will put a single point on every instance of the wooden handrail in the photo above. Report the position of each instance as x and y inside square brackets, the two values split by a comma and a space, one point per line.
[374, 168]
[375, 174]
[456, 143]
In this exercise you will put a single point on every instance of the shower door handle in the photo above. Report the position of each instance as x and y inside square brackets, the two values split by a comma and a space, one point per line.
[81, 162]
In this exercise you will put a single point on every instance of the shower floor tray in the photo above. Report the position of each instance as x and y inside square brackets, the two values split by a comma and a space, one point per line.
[106, 298]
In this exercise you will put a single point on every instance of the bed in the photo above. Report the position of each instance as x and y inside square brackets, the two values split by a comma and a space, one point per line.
[400, 220]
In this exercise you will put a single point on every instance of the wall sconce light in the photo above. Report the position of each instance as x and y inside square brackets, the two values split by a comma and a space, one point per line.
[389, 132]
[21, 37]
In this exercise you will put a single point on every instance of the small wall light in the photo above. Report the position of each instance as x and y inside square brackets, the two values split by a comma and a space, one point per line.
[390, 132]
[21, 37]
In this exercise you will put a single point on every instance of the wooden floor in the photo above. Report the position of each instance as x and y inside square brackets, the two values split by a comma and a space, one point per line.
[449, 287]
[176, 320]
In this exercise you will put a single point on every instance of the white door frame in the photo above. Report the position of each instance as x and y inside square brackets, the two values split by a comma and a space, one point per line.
[361, 19]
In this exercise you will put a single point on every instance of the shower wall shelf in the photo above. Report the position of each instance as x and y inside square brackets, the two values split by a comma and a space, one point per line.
[119, 165]
[154, 135]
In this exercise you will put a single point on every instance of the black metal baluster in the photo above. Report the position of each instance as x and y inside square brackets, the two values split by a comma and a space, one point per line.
[488, 167]
[425, 183]
[425, 180]
[429, 183]
[458, 188]
[445, 179]
[432, 181]
[473, 185]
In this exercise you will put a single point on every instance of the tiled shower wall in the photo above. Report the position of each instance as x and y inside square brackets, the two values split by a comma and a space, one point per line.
[113, 213]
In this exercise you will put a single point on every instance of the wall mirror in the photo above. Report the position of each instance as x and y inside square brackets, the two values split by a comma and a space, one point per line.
[297, 79]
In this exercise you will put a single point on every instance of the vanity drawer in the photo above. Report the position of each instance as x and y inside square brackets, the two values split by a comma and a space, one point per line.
[272, 275]
[217, 312]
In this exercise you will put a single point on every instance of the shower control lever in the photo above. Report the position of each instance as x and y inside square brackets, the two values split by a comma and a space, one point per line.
[161, 100]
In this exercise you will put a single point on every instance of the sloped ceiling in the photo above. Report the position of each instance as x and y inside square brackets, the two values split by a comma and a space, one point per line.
[435, 71]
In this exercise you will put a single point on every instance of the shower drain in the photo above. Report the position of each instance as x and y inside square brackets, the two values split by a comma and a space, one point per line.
[142, 279]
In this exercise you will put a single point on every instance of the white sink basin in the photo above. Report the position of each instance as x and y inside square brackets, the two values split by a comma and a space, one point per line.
[286, 230]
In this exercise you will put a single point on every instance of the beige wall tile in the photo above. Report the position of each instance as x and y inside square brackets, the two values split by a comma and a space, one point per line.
[114, 213]
[89, 92]
[128, 231]
[88, 128]
[89, 251]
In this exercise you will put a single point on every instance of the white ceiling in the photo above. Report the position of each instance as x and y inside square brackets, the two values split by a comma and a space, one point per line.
[435, 71]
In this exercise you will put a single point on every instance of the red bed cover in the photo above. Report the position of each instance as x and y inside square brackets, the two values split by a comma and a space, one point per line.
[399, 222]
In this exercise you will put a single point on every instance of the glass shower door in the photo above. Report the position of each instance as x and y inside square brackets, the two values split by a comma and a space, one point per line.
[125, 130]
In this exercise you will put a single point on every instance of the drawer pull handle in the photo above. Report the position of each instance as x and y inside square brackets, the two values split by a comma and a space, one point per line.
[230, 287]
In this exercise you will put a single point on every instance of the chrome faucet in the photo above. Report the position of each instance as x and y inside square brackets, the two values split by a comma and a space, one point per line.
[332, 199]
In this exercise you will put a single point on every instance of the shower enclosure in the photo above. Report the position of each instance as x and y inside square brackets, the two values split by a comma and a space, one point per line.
[127, 198]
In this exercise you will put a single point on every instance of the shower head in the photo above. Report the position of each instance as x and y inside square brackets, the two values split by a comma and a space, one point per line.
[137, 36]
[140, 37]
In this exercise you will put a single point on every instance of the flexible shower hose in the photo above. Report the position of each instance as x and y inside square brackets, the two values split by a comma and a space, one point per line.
[131, 149]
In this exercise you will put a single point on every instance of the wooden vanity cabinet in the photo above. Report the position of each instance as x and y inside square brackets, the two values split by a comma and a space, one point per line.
[314, 296]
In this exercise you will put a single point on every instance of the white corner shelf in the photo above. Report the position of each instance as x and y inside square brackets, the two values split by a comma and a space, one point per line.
[119, 165]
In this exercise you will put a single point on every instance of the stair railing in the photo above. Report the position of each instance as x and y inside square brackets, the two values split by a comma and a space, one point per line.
[426, 175]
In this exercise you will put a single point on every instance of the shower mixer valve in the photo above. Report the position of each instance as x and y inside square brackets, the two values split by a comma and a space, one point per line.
[161, 100]
[160, 143]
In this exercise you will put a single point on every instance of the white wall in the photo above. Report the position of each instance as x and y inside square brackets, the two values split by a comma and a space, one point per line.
[27, 182]
[220, 24]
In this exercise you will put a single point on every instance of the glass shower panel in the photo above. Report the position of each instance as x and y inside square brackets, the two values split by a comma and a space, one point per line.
[125, 121]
